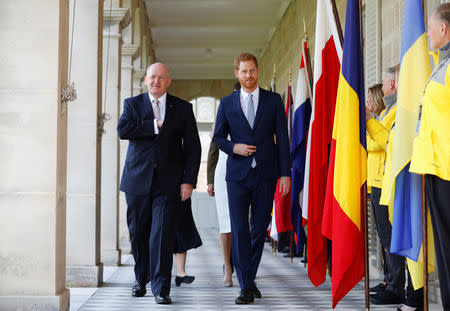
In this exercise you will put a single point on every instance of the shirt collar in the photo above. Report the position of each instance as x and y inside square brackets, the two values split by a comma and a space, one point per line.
[162, 99]
[390, 100]
[255, 93]
[444, 51]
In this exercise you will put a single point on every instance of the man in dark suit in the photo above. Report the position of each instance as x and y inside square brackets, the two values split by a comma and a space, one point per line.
[252, 117]
[160, 172]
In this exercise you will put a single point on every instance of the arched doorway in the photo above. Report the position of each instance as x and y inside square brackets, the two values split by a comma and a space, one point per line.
[203, 206]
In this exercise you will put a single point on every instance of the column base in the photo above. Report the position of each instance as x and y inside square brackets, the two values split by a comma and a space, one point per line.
[59, 302]
[125, 245]
[84, 276]
[111, 257]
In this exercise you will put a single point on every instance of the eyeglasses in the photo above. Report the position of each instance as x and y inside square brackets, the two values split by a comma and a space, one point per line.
[154, 77]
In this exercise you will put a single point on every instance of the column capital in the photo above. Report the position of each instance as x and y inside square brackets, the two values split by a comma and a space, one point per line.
[112, 35]
[139, 73]
[117, 15]
[132, 50]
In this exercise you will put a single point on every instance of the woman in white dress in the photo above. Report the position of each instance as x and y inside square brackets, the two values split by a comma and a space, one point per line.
[217, 168]
[217, 161]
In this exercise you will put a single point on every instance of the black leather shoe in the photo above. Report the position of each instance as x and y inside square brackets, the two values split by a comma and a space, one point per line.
[417, 309]
[184, 279]
[246, 296]
[163, 299]
[138, 290]
[386, 298]
[376, 289]
[256, 292]
[285, 250]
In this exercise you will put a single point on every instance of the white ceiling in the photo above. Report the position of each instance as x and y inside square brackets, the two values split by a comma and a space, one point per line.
[198, 39]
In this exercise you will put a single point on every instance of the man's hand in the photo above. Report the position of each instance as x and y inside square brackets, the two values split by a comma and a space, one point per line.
[186, 191]
[160, 123]
[244, 150]
[285, 184]
[211, 190]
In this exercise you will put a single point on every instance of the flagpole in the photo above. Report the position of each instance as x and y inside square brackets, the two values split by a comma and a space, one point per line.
[425, 245]
[291, 234]
[424, 232]
[366, 221]
[307, 67]
[274, 77]
[338, 22]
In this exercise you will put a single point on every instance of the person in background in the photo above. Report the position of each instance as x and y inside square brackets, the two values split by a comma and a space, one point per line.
[187, 238]
[378, 129]
[431, 154]
[414, 298]
[375, 161]
[216, 169]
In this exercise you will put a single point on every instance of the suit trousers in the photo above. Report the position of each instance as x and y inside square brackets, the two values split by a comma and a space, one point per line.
[151, 225]
[414, 298]
[247, 240]
[438, 193]
[395, 264]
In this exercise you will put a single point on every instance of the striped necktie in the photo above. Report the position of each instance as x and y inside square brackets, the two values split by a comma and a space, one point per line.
[156, 111]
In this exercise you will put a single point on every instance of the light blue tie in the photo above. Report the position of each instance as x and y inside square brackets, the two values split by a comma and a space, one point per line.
[250, 110]
[251, 117]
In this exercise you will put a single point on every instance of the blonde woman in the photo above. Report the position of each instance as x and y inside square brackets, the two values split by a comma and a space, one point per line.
[375, 160]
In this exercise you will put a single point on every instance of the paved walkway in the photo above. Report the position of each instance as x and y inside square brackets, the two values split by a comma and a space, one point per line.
[284, 286]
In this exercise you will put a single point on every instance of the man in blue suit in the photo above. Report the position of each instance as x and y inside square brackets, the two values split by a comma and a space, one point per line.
[247, 124]
[161, 168]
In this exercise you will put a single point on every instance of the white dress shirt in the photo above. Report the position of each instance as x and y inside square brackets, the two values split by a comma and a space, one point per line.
[244, 106]
[255, 99]
[162, 109]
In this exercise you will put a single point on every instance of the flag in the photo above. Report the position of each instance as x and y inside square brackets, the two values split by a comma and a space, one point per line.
[343, 220]
[272, 230]
[406, 211]
[273, 87]
[300, 125]
[328, 55]
[281, 218]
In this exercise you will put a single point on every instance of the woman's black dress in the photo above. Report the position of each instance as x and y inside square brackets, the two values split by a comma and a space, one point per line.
[187, 236]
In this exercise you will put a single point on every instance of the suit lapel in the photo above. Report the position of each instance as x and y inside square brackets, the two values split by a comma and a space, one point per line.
[170, 107]
[147, 109]
[260, 109]
[237, 106]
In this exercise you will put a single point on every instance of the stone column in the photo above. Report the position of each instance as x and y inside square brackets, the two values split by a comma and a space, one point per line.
[33, 158]
[84, 148]
[129, 53]
[138, 77]
[114, 20]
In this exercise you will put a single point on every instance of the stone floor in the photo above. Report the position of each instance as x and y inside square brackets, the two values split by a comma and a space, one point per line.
[284, 286]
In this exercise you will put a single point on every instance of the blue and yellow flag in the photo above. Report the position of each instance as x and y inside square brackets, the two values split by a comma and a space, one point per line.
[405, 207]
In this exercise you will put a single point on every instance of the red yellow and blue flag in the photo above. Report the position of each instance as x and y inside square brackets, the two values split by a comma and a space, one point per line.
[343, 220]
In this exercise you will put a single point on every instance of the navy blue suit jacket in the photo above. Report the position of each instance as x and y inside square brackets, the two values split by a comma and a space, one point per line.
[174, 153]
[272, 159]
